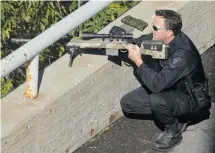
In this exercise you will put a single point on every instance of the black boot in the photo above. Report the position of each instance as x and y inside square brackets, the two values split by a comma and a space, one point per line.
[170, 137]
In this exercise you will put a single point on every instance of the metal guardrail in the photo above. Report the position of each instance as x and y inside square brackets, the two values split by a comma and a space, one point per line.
[29, 52]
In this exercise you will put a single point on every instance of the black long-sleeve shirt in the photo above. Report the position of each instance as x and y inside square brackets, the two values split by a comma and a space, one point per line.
[182, 61]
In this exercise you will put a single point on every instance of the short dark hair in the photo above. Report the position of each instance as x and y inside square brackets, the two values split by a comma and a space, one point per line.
[172, 20]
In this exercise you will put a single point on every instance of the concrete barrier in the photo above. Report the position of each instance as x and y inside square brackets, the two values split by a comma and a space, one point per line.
[74, 104]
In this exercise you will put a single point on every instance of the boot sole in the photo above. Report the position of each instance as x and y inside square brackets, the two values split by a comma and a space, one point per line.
[167, 149]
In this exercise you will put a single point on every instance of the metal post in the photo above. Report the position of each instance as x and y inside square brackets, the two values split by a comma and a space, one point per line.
[32, 78]
[51, 35]
[31, 72]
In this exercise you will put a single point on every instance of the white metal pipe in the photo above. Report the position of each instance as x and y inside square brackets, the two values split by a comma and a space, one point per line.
[51, 35]
[32, 78]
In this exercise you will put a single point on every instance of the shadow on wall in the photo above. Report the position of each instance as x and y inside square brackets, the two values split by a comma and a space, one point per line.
[209, 66]
[212, 93]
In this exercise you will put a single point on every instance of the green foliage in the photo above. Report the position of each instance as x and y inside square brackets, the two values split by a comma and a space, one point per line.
[6, 86]
[27, 19]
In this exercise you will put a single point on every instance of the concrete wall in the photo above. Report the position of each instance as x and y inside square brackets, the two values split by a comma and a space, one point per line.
[76, 103]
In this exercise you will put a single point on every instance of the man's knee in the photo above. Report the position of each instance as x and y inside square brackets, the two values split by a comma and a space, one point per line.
[125, 101]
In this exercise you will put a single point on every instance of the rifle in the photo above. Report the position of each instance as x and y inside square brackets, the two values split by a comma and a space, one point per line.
[112, 44]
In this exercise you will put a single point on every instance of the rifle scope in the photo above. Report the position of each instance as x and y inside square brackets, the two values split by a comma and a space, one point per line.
[109, 36]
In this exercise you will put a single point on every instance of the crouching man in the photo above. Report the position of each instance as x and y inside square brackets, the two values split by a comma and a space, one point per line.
[171, 90]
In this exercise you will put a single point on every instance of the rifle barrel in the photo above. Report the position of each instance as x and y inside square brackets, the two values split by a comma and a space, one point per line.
[17, 40]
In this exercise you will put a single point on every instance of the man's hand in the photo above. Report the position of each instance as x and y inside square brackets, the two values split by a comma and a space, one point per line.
[134, 53]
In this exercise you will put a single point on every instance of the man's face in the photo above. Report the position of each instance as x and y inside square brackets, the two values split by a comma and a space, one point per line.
[159, 31]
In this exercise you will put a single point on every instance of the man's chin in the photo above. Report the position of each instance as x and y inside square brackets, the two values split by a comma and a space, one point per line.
[154, 38]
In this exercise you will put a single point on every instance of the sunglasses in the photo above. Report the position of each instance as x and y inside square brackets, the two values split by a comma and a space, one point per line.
[157, 28]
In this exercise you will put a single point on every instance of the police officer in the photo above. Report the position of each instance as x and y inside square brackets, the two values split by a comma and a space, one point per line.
[167, 96]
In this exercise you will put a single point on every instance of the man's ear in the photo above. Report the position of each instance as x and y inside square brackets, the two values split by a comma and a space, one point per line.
[170, 33]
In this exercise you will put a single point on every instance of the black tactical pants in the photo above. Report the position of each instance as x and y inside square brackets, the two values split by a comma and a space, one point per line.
[165, 106]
